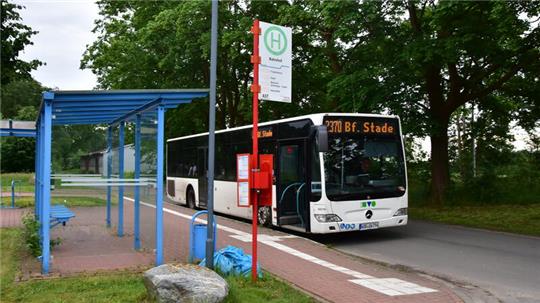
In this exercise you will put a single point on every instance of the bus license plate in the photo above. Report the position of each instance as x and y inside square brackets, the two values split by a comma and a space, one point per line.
[370, 225]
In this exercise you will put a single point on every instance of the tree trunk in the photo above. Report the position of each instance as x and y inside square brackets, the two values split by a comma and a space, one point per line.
[440, 173]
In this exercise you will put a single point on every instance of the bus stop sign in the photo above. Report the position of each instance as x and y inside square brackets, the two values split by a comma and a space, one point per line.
[275, 76]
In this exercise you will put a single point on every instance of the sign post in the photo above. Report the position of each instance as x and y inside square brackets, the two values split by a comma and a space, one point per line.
[272, 67]
[255, 89]
[210, 237]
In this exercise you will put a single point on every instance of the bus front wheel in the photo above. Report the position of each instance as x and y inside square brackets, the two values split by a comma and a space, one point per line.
[264, 216]
[190, 198]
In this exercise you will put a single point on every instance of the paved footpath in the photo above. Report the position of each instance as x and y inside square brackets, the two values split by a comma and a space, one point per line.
[325, 273]
[11, 217]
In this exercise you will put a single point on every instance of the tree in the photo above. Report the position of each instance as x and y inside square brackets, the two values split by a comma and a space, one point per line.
[15, 37]
[18, 89]
[137, 48]
[73, 141]
[20, 93]
[422, 60]
[431, 58]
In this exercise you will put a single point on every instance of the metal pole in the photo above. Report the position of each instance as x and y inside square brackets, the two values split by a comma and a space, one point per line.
[36, 176]
[109, 173]
[47, 140]
[41, 182]
[39, 197]
[473, 142]
[137, 240]
[159, 184]
[211, 137]
[255, 89]
[12, 193]
[120, 227]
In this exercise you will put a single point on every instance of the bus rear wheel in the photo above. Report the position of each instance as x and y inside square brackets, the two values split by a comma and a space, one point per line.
[190, 197]
[264, 216]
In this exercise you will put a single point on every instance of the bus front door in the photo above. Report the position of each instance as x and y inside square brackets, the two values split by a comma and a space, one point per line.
[202, 163]
[291, 185]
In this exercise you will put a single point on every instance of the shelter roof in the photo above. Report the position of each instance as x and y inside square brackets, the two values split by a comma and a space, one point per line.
[113, 106]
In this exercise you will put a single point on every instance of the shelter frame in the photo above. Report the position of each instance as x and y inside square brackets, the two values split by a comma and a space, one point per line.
[112, 108]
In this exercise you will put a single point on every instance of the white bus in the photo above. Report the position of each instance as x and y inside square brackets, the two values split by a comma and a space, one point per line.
[333, 172]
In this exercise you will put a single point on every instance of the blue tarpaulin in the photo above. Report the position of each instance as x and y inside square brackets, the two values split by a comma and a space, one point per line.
[233, 260]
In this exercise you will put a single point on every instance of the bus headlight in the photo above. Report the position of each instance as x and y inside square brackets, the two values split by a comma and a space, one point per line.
[327, 218]
[401, 212]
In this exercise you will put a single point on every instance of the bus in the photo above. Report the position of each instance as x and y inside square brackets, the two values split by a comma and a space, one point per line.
[333, 172]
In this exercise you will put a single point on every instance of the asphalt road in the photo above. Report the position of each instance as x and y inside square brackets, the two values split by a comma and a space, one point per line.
[508, 266]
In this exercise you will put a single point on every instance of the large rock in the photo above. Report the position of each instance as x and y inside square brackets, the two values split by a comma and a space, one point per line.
[185, 283]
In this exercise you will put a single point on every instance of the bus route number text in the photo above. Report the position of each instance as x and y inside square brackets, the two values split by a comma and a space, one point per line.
[346, 127]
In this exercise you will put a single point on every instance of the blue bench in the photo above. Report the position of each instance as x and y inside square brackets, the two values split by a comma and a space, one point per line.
[60, 214]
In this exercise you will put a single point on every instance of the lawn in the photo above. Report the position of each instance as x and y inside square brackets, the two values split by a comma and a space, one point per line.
[67, 201]
[114, 287]
[520, 219]
[25, 182]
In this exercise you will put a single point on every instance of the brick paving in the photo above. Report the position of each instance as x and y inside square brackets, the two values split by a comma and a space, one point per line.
[323, 282]
[11, 217]
[88, 246]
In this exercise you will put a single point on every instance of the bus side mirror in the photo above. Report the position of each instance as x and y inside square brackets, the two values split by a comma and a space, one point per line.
[321, 134]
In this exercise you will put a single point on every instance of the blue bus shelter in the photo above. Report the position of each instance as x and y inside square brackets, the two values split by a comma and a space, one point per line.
[113, 108]
[15, 128]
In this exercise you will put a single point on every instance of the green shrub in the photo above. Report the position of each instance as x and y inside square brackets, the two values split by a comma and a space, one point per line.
[31, 235]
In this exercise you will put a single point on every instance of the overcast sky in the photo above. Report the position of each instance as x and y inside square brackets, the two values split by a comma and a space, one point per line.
[64, 31]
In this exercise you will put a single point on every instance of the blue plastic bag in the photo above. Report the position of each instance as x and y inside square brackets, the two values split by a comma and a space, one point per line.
[233, 260]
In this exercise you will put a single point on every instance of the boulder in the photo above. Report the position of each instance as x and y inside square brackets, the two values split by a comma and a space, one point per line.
[185, 283]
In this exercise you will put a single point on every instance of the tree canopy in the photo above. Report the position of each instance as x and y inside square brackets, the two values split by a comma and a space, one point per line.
[425, 60]
[431, 62]
[15, 37]
[20, 93]
[18, 89]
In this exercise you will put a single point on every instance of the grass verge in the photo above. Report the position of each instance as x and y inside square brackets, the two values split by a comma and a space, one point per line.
[114, 287]
[25, 182]
[67, 201]
[519, 219]
[268, 290]
[125, 287]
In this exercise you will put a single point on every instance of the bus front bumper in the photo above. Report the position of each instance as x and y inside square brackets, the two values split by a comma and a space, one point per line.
[334, 227]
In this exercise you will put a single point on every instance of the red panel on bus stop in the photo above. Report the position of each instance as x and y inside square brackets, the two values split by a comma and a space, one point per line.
[266, 164]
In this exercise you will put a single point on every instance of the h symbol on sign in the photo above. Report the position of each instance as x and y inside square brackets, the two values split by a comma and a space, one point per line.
[273, 39]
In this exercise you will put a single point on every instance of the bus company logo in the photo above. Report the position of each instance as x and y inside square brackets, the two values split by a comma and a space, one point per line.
[369, 204]
[275, 40]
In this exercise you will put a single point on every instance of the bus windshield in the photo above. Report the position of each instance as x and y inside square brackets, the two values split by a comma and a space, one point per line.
[364, 167]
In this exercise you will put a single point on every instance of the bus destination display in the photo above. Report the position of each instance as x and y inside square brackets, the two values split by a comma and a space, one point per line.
[347, 125]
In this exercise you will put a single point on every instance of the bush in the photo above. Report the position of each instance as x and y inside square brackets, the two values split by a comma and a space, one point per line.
[31, 235]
